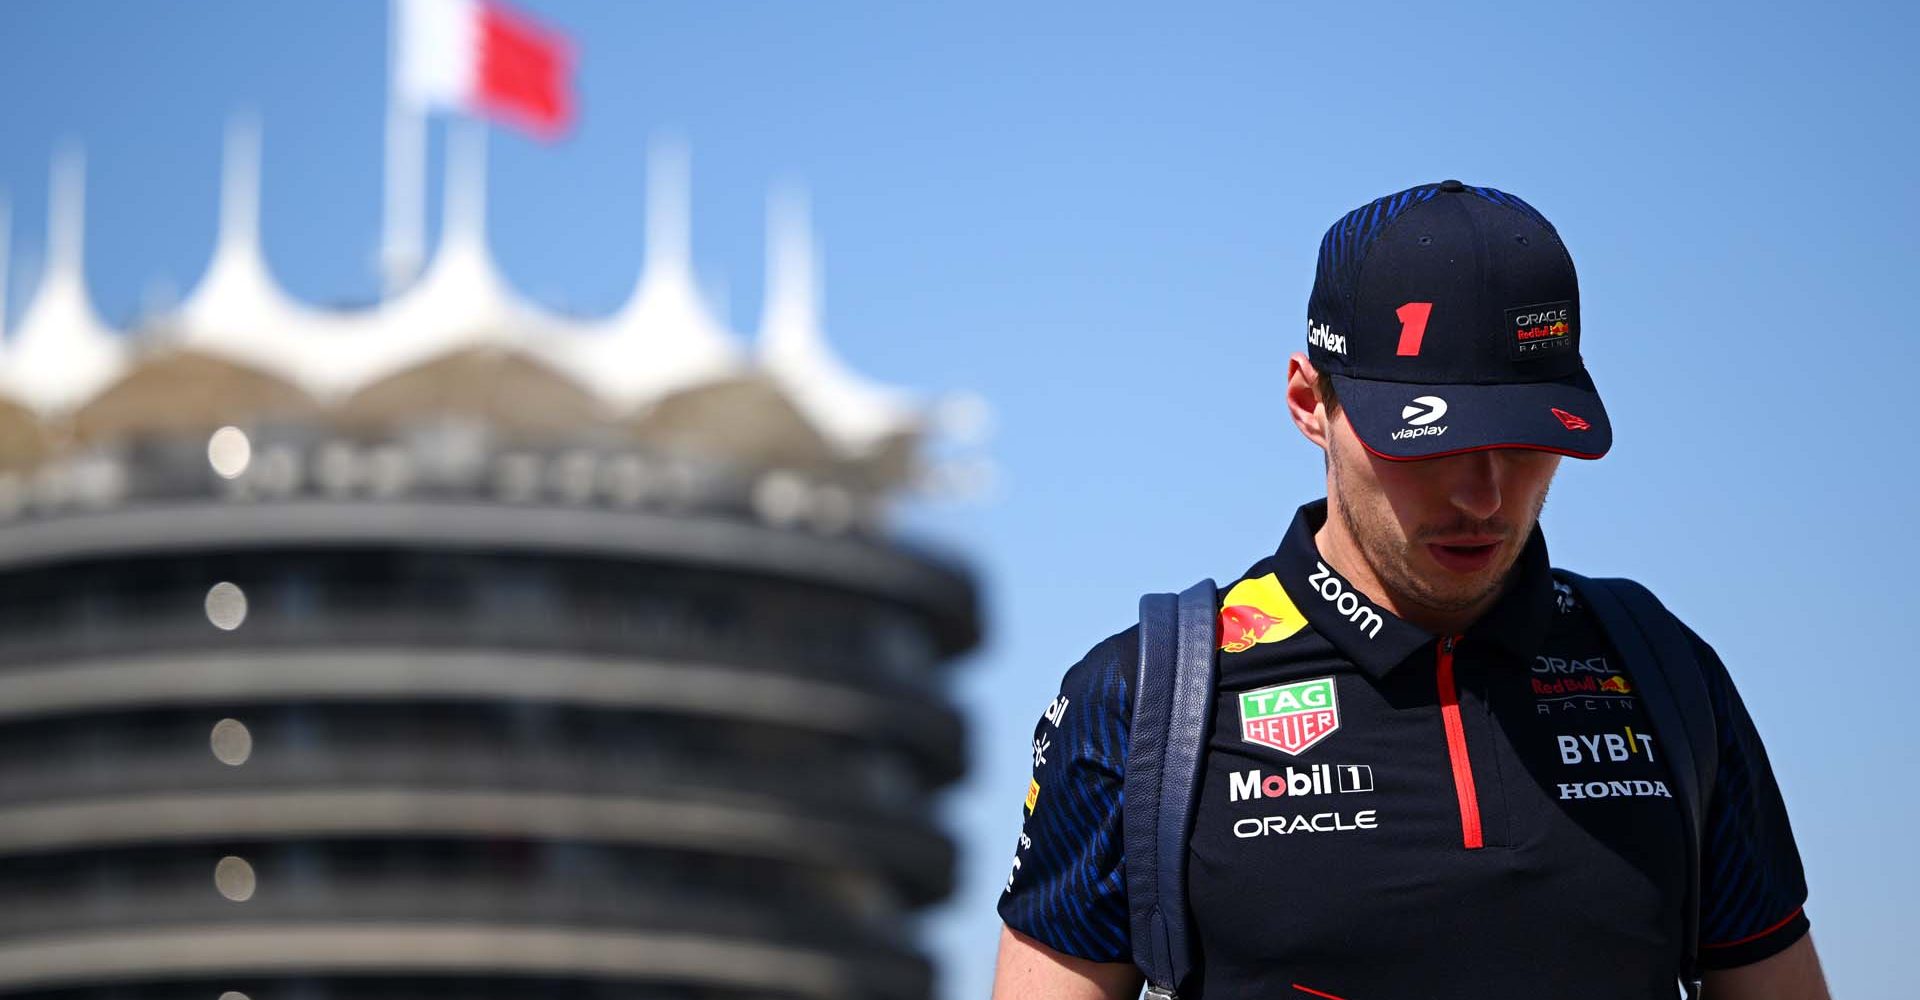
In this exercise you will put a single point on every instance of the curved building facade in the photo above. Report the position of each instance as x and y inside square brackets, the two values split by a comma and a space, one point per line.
[450, 648]
[362, 747]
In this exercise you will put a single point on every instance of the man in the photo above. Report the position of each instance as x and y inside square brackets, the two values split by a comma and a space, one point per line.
[1429, 773]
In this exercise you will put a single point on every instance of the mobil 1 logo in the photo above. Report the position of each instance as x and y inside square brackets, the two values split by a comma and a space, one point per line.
[1317, 779]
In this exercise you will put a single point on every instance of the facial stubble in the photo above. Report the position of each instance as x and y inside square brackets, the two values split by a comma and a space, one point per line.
[1390, 556]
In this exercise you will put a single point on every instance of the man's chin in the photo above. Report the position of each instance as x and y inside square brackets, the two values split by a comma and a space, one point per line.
[1447, 588]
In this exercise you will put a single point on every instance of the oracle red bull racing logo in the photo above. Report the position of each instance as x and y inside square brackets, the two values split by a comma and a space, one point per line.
[1290, 717]
[1542, 330]
[1256, 611]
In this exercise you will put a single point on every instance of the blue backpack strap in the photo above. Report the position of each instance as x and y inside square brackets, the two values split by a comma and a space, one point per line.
[1167, 738]
[1673, 687]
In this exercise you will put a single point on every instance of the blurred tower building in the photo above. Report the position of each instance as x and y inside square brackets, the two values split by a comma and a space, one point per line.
[451, 648]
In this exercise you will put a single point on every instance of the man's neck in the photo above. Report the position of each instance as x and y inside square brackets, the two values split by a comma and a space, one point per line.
[1342, 551]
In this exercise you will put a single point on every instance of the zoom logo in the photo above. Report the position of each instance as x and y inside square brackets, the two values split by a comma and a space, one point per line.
[1331, 590]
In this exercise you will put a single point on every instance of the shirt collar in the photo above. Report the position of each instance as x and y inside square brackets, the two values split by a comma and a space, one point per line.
[1377, 640]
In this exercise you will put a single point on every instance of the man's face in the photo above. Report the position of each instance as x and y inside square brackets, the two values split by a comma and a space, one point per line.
[1440, 532]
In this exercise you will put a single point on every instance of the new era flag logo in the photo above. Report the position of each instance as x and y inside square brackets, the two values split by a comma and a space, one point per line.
[484, 58]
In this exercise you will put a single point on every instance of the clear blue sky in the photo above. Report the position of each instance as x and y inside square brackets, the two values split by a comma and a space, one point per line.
[1103, 217]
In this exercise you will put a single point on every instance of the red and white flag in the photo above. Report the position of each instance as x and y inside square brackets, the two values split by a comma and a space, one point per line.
[486, 59]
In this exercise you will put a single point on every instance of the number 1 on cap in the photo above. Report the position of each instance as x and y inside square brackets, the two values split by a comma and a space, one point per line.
[1413, 326]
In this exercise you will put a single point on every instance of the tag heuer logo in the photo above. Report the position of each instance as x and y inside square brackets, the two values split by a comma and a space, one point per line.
[1290, 717]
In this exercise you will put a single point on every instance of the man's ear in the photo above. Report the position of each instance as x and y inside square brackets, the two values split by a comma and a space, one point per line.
[1303, 403]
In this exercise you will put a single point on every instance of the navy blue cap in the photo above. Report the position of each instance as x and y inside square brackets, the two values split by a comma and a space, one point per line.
[1449, 319]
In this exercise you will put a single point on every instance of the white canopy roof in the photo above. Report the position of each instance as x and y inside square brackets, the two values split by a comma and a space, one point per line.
[664, 339]
[855, 413]
[663, 343]
[237, 312]
[6, 234]
[62, 352]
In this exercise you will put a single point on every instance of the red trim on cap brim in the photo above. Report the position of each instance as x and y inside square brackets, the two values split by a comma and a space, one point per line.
[1479, 447]
[1502, 426]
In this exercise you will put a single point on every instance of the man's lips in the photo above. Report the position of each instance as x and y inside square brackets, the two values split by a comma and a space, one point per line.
[1467, 554]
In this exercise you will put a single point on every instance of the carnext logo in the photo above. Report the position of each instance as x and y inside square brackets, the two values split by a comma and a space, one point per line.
[1322, 335]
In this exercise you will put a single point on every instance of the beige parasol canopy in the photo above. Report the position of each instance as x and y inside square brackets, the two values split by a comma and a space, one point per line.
[187, 391]
[744, 418]
[511, 391]
[22, 441]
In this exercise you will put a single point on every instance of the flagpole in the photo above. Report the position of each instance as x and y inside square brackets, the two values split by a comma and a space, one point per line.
[403, 241]
[6, 233]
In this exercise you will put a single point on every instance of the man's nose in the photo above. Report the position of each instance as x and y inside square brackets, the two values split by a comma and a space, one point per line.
[1476, 485]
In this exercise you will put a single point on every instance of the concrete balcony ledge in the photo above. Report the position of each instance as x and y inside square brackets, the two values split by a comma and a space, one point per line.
[218, 951]
[941, 592]
[917, 856]
[926, 728]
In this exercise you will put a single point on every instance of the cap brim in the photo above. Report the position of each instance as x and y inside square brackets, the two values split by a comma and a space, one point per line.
[1397, 420]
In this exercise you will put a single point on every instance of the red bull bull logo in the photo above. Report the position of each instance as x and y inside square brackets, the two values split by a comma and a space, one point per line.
[1256, 611]
[1616, 685]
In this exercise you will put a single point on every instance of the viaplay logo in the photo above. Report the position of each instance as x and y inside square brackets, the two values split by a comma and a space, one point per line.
[1420, 415]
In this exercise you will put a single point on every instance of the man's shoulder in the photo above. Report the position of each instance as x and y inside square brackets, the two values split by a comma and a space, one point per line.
[1578, 622]
[1102, 678]
[1568, 599]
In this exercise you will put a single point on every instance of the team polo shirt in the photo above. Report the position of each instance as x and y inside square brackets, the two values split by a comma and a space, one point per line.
[1388, 813]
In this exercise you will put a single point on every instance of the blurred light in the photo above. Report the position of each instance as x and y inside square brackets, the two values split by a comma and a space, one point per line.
[516, 478]
[573, 476]
[98, 482]
[232, 742]
[234, 878]
[279, 472]
[682, 482]
[625, 480]
[226, 606]
[337, 468]
[449, 452]
[229, 452]
[974, 479]
[965, 417]
[234, 995]
[780, 498]
[389, 471]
